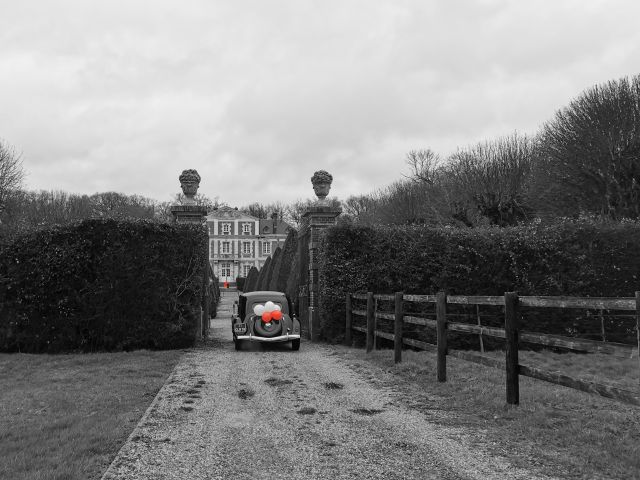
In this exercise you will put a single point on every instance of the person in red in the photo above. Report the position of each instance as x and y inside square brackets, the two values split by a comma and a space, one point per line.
[226, 284]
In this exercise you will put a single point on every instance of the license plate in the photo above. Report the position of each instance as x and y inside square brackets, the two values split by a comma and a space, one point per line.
[240, 328]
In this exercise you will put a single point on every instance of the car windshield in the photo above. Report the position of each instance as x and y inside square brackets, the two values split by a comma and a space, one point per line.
[250, 310]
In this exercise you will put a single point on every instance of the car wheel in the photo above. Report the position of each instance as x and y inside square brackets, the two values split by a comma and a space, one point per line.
[272, 330]
[295, 345]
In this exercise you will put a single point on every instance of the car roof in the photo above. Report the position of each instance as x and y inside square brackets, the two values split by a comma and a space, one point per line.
[262, 294]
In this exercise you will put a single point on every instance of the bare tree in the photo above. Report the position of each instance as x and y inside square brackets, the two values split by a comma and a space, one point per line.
[361, 208]
[53, 207]
[591, 152]
[162, 210]
[490, 180]
[118, 205]
[293, 212]
[486, 183]
[11, 173]
[264, 211]
[425, 166]
[200, 199]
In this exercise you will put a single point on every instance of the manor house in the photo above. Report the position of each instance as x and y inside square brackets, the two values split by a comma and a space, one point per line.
[238, 241]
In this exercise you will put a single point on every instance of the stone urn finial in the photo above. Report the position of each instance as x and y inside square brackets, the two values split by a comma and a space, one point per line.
[189, 182]
[321, 181]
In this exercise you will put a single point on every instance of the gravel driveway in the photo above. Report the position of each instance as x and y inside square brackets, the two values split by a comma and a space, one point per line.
[270, 413]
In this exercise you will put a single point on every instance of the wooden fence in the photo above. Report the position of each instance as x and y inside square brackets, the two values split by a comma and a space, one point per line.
[510, 333]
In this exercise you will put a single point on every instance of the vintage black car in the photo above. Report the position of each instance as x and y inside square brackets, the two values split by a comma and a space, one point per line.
[255, 319]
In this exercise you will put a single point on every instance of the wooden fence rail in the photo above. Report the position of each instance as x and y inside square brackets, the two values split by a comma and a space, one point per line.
[511, 333]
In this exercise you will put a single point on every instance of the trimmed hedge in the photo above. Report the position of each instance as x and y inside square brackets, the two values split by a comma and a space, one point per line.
[102, 285]
[577, 258]
[214, 294]
[252, 280]
[293, 281]
[282, 271]
[240, 283]
[275, 265]
[299, 268]
[264, 271]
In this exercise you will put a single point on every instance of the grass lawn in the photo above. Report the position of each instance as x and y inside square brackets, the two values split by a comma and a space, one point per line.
[562, 431]
[66, 416]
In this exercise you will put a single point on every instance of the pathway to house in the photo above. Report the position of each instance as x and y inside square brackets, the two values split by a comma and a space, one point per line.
[270, 413]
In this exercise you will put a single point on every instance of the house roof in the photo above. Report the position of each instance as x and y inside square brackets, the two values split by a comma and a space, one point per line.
[266, 226]
[226, 212]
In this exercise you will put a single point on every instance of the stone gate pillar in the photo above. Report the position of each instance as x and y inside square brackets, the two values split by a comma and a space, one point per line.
[317, 217]
[190, 212]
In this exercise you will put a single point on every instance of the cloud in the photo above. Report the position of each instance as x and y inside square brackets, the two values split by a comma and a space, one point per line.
[258, 95]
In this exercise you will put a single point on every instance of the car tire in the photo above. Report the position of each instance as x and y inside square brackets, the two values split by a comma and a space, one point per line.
[261, 331]
[295, 345]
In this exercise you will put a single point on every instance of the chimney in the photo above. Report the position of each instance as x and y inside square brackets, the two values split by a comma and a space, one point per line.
[274, 218]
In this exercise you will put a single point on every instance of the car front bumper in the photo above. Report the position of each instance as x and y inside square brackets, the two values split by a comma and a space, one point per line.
[281, 338]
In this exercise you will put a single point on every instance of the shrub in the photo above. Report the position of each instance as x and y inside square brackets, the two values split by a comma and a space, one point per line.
[576, 258]
[102, 285]
[240, 283]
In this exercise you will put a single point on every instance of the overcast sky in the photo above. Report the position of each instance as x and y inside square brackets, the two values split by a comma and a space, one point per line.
[258, 94]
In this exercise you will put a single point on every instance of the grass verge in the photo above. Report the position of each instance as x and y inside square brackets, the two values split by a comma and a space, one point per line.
[66, 416]
[556, 430]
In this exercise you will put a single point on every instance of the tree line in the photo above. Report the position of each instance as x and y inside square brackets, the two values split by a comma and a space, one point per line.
[585, 161]
[22, 210]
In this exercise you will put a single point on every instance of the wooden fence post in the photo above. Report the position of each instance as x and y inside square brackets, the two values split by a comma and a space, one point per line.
[376, 339]
[347, 325]
[511, 336]
[601, 315]
[397, 331]
[441, 318]
[480, 325]
[370, 322]
[638, 330]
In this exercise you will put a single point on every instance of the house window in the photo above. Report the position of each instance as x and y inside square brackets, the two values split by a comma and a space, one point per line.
[226, 247]
[226, 229]
[245, 270]
[246, 229]
[266, 248]
[225, 269]
[246, 247]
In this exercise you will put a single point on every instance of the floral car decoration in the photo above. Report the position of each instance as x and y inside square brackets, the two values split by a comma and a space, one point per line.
[265, 316]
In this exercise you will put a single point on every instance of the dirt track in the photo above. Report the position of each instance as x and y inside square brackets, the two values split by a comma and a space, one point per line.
[267, 412]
